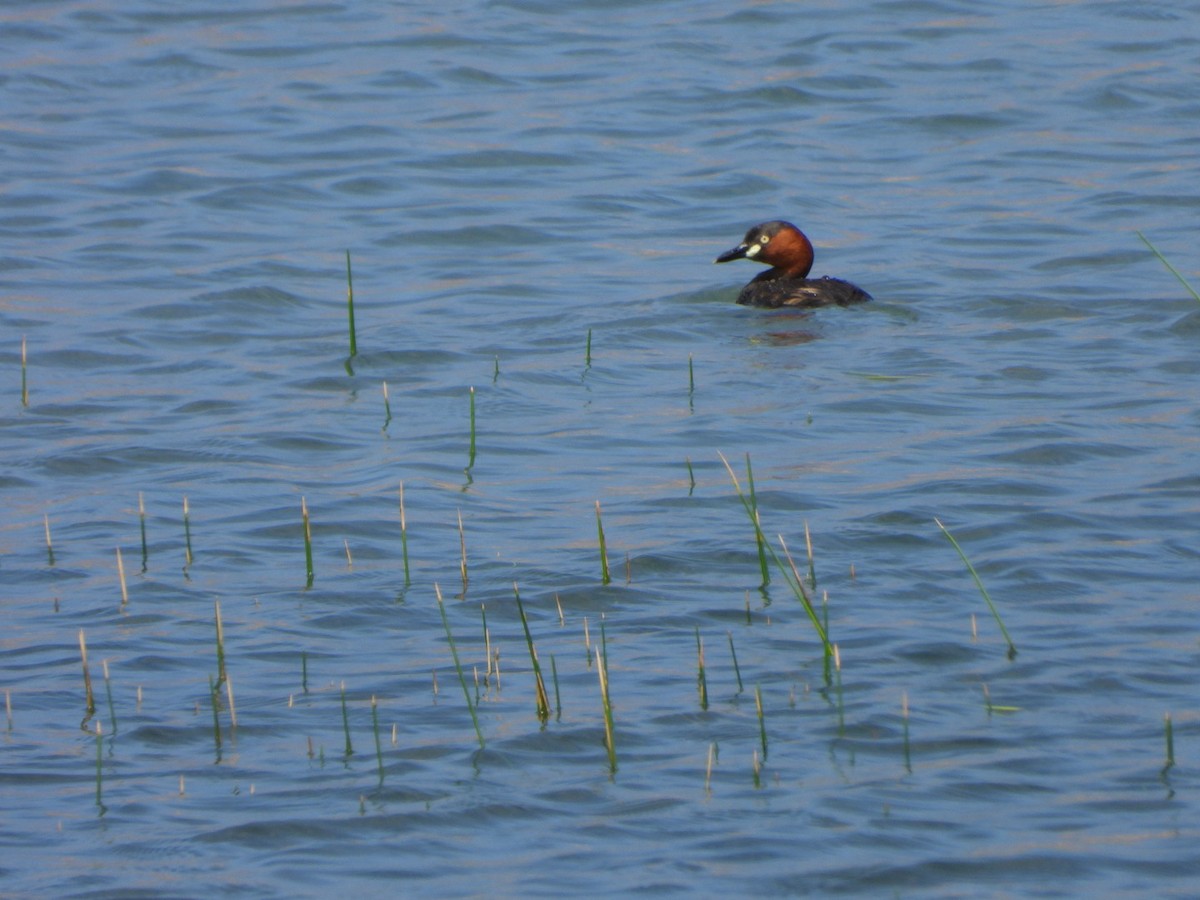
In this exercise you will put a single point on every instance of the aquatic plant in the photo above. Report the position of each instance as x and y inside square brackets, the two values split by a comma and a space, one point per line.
[462, 679]
[605, 576]
[350, 307]
[308, 554]
[543, 700]
[1012, 648]
[1191, 290]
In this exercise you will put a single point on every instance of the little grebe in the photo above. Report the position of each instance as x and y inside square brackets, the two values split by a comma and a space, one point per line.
[784, 247]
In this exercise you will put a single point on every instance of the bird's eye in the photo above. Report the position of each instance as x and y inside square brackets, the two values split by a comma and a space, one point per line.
[764, 239]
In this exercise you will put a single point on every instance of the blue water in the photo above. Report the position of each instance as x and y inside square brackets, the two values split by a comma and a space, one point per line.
[516, 182]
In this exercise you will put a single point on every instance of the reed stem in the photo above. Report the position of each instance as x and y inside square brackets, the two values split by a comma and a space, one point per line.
[404, 538]
[142, 527]
[1191, 290]
[543, 700]
[1169, 736]
[24, 378]
[462, 545]
[350, 306]
[762, 721]
[462, 679]
[471, 451]
[220, 642]
[609, 742]
[605, 576]
[378, 744]
[387, 407]
[736, 671]
[121, 578]
[49, 545]
[1012, 648]
[701, 678]
[87, 681]
[187, 535]
[349, 751]
[112, 710]
[308, 554]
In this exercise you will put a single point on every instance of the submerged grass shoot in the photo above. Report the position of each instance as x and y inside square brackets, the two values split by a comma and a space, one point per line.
[142, 526]
[462, 679]
[350, 306]
[609, 741]
[187, 535]
[121, 578]
[605, 575]
[220, 642]
[1012, 648]
[87, 681]
[349, 751]
[543, 699]
[1162, 259]
[49, 543]
[24, 379]
[404, 538]
[308, 554]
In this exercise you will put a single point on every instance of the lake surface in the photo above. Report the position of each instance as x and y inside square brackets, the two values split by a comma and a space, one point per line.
[532, 195]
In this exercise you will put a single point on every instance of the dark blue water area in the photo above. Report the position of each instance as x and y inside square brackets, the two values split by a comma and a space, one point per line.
[532, 195]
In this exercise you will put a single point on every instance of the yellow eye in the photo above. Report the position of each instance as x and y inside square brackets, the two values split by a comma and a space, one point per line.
[764, 239]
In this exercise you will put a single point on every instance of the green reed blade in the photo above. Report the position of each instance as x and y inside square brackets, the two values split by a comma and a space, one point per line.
[691, 377]
[375, 728]
[553, 677]
[308, 555]
[350, 306]
[142, 525]
[471, 452]
[762, 721]
[759, 539]
[462, 546]
[1012, 648]
[349, 751]
[1191, 290]
[687, 461]
[404, 538]
[220, 642]
[304, 670]
[736, 671]
[605, 576]
[214, 699]
[543, 699]
[187, 535]
[587, 356]
[87, 681]
[609, 742]
[112, 710]
[99, 767]
[387, 407]
[1169, 736]
[462, 679]
[701, 678]
[791, 576]
[24, 380]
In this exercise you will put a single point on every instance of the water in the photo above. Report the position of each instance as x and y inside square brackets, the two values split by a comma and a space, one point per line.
[180, 190]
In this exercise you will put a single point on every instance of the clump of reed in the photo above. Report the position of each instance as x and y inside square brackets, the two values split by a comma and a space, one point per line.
[790, 574]
[1012, 648]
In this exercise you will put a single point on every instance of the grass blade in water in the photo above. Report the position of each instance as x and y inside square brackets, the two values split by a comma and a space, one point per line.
[462, 679]
[350, 306]
[1191, 290]
[1012, 648]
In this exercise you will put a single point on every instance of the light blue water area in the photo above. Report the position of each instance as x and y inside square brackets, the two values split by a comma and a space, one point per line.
[180, 188]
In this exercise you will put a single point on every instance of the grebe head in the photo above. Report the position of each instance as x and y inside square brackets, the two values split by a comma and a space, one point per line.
[778, 244]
